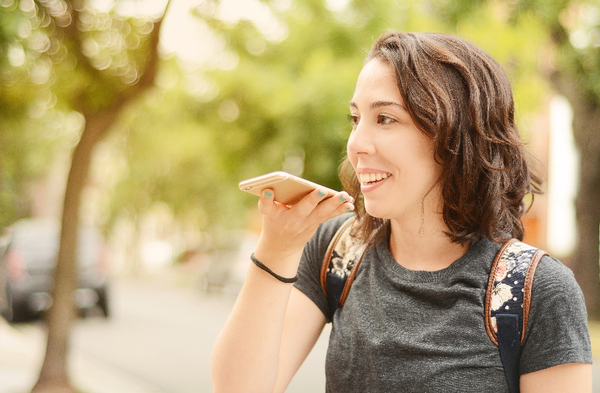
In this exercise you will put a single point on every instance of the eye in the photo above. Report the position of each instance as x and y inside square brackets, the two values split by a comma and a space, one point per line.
[385, 120]
[353, 119]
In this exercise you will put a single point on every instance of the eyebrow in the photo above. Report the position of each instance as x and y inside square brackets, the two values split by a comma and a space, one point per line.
[379, 104]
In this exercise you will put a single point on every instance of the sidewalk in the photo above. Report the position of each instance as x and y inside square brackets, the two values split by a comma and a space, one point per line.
[21, 356]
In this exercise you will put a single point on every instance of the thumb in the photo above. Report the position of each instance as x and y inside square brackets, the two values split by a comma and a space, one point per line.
[266, 202]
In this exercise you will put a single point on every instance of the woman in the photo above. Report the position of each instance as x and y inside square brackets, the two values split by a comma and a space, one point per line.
[438, 173]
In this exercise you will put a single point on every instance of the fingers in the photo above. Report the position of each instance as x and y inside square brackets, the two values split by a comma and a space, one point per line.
[338, 204]
[322, 206]
[305, 207]
[347, 203]
[288, 228]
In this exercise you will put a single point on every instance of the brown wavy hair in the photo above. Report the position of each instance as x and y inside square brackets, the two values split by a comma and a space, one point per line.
[460, 97]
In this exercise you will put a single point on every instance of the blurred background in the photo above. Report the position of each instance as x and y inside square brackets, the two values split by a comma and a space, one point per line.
[125, 126]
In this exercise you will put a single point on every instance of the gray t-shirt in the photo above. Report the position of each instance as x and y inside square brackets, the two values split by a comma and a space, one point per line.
[402, 330]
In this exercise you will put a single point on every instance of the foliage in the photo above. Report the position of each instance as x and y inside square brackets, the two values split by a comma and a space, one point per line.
[572, 29]
[45, 79]
[25, 109]
[281, 105]
[91, 61]
[278, 101]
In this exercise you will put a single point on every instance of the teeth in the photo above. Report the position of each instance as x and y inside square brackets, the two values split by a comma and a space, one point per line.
[372, 177]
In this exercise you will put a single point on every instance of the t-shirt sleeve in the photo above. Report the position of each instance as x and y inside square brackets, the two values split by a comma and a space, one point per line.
[557, 332]
[309, 271]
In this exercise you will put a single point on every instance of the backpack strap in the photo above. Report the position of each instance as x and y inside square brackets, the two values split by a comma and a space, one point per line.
[340, 264]
[507, 303]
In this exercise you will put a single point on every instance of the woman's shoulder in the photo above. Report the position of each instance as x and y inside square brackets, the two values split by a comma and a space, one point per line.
[557, 329]
[327, 230]
[556, 293]
[312, 260]
[553, 277]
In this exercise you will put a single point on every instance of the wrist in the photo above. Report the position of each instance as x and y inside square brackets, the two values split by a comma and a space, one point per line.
[282, 261]
[265, 268]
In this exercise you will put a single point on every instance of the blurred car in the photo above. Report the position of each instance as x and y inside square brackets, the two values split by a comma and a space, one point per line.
[28, 266]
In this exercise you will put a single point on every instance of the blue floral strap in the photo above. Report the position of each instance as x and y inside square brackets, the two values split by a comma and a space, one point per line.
[507, 303]
[340, 265]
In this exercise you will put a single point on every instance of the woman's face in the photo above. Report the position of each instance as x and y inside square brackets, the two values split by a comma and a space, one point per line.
[393, 159]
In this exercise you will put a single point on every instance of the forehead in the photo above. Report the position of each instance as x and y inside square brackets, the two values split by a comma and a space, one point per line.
[376, 82]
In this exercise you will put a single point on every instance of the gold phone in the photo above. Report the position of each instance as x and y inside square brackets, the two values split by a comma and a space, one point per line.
[288, 189]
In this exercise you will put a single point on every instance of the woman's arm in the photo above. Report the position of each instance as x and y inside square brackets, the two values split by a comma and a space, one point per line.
[304, 323]
[557, 333]
[565, 378]
[270, 317]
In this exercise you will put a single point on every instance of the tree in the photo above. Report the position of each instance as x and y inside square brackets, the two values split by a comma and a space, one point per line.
[577, 77]
[284, 100]
[274, 97]
[100, 61]
[571, 30]
[25, 101]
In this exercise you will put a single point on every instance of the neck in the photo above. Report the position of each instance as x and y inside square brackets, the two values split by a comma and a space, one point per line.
[424, 246]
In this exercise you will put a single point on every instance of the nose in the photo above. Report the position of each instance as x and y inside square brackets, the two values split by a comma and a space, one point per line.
[360, 141]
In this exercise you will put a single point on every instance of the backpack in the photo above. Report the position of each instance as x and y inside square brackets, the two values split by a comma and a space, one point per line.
[506, 306]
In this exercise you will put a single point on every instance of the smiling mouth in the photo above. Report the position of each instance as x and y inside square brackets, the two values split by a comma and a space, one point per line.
[372, 178]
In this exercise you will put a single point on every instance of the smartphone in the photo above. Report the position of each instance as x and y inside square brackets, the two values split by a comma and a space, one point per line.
[288, 189]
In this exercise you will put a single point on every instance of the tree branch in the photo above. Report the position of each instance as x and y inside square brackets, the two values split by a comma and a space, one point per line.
[148, 75]
[67, 20]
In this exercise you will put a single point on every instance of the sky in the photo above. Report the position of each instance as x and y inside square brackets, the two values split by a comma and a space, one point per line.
[185, 35]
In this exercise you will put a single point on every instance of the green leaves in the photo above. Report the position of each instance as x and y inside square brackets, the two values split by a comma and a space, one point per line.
[284, 104]
[274, 97]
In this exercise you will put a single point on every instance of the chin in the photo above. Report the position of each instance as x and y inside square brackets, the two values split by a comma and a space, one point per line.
[376, 211]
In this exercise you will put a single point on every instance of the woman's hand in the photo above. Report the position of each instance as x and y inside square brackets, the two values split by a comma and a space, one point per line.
[253, 338]
[286, 229]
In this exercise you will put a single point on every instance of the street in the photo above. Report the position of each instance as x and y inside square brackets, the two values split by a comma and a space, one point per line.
[158, 340]
[164, 334]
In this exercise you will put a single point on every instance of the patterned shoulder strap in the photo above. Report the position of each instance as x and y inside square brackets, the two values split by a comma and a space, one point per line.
[507, 303]
[340, 265]
[510, 283]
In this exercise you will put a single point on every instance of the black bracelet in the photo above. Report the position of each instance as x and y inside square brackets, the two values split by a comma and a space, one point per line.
[271, 272]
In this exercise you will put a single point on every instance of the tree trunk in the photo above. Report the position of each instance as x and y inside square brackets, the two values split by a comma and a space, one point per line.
[53, 375]
[587, 255]
[61, 316]
[586, 129]
[586, 132]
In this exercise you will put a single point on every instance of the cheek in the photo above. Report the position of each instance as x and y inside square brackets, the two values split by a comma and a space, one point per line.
[351, 157]
[425, 152]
